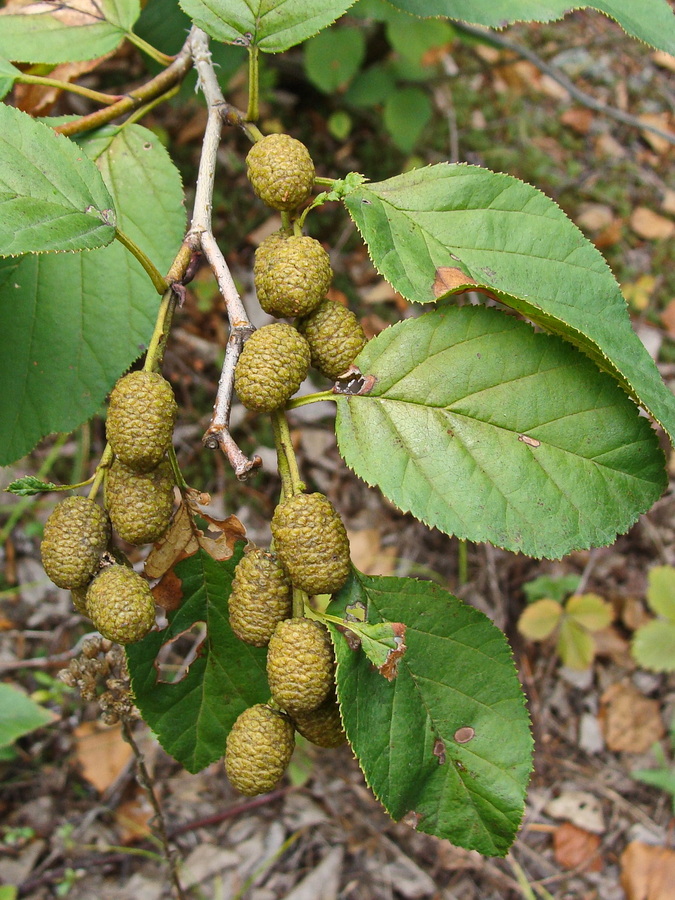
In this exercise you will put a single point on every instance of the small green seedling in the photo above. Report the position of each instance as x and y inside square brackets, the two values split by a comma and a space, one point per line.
[653, 645]
[663, 777]
[572, 622]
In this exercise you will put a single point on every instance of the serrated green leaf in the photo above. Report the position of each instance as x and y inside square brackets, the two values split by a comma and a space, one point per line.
[29, 485]
[193, 717]
[540, 620]
[487, 430]
[446, 742]
[52, 197]
[383, 643]
[576, 646]
[333, 57]
[19, 715]
[590, 611]
[8, 75]
[448, 228]
[271, 25]
[555, 586]
[653, 646]
[52, 31]
[661, 591]
[654, 24]
[72, 323]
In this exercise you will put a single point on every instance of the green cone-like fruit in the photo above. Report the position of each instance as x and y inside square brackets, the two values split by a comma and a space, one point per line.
[75, 536]
[281, 171]
[141, 416]
[335, 337]
[323, 725]
[140, 506]
[120, 605]
[261, 597]
[293, 276]
[311, 543]
[258, 750]
[300, 665]
[272, 366]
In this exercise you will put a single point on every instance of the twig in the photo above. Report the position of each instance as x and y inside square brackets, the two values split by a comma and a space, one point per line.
[200, 237]
[158, 85]
[562, 79]
[145, 780]
[230, 813]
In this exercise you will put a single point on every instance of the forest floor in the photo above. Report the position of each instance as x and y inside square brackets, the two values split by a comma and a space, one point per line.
[74, 820]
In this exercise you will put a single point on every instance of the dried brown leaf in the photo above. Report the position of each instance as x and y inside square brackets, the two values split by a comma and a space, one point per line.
[630, 722]
[650, 225]
[101, 753]
[576, 848]
[647, 872]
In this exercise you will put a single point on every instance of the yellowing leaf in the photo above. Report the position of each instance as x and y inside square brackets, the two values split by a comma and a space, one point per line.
[575, 645]
[540, 620]
[590, 611]
[661, 591]
[653, 646]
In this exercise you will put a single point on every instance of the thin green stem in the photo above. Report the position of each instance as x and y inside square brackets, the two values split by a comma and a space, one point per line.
[310, 398]
[462, 563]
[300, 602]
[155, 351]
[286, 460]
[253, 112]
[43, 81]
[25, 502]
[286, 222]
[155, 275]
[328, 182]
[101, 469]
[147, 107]
[147, 48]
[177, 474]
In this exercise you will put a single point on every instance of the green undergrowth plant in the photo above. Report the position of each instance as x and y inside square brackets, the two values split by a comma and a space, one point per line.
[653, 645]
[515, 420]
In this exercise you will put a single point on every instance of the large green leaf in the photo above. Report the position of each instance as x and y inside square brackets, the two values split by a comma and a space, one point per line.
[52, 31]
[652, 22]
[52, 197]
[19, 715]
[487, 430]
[72, 323]
[8, 75]
[448, 228]
[193, 717]
[273, 25]
[445, 743]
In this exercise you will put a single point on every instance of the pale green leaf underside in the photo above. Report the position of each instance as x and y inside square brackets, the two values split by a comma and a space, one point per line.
[489, 431]
[8, 75]
[410, 734]
[52, 196]
[73, 322]
[51, 31]
[193, 717]
[506, 236]
[651, 21]
[274, 25]
[661, 591]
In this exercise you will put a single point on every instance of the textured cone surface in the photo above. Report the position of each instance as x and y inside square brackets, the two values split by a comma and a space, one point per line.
[141, 416]
[335, 338]
[293, 277]
[261, 598]
[79, 598]
[281, 171]
[266, 251]
[258, 750]
[140, 506]
[300, 665]
[272, 366]
[75, 536]
[311, 543]
[121, 605]
[323, 725]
